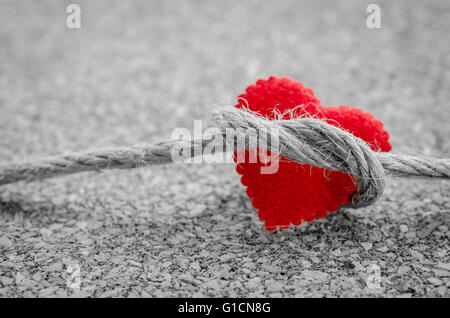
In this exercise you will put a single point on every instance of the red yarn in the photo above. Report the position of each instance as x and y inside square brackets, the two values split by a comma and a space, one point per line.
[298, 192]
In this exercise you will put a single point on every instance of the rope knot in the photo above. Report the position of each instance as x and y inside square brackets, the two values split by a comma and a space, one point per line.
[314, 142]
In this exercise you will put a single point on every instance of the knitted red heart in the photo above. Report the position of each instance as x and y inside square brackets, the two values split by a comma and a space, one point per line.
[298, 192]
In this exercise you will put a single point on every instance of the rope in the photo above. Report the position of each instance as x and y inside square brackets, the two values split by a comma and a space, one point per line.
[305, 140]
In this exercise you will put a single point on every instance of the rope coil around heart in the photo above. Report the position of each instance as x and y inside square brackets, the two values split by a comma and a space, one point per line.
[332, 155]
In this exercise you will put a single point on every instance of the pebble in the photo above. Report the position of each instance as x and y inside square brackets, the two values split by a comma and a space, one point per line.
[5, 242]
[80, 294]
[195, 266]
[48, 291]
[366, 245]
[306, 263]
[428, 229]
[357, 266]
[441, 273]
[336, 252]
[403, 270]
[442, 291]
[253, 283]
[196, 211]
[55, 267]
[19, 278]
[28, 282]
[213, 284]
[373, 291]
[416, 254]
[6, 280]
[445, 266]
[275, 287]
[412, 204]
[235, 284]
[315, 275]
[134, 263]
[435, 281]
[270, 268]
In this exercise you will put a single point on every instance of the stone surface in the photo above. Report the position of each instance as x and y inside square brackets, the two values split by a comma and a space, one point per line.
[137, 70]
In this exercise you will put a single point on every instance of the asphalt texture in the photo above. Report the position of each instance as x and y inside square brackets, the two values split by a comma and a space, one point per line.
[134, 71]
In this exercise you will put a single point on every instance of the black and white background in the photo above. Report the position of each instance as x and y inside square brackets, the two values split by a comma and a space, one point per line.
[135, 70]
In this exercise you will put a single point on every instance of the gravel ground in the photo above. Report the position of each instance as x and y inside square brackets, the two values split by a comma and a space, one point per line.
[136, 70]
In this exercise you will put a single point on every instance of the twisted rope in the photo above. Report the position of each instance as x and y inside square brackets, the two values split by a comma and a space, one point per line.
[304, 140]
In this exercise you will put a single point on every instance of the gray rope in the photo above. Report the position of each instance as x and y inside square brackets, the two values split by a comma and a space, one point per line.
[305, 140]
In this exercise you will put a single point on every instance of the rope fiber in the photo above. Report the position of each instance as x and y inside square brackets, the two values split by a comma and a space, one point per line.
[304, 140]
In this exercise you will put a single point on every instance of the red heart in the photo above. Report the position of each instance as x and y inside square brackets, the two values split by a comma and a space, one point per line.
[298, 192]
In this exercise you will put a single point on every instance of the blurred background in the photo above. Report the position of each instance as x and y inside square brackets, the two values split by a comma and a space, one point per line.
[136, 70]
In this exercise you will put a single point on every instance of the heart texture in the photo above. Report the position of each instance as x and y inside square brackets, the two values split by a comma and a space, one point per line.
[297, 192]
